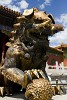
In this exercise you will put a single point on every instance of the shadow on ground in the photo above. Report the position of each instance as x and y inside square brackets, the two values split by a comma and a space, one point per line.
[19, 95]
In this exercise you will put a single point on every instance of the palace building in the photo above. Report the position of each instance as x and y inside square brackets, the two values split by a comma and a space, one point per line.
[63, 47]
[54, 55]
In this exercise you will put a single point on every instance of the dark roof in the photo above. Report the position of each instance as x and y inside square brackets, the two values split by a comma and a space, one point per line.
[61, 46]
[56, 49]
[8, 12]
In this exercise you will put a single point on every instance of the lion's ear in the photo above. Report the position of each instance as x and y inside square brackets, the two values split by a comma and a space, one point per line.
[28, 12]
[51, 17]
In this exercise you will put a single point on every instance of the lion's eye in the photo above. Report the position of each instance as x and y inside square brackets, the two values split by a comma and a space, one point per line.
[30, 44]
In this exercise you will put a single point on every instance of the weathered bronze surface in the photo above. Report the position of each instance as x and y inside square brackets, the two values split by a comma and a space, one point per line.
[39, 89]
[26, 56]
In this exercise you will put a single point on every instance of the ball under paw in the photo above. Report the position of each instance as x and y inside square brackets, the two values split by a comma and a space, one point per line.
[39, 89]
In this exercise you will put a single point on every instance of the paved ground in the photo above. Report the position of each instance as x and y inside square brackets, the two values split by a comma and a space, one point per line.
[21, 97]
[60, 97]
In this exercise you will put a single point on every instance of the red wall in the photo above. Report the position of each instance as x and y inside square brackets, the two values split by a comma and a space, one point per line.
[56, 57]
[65, 62]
